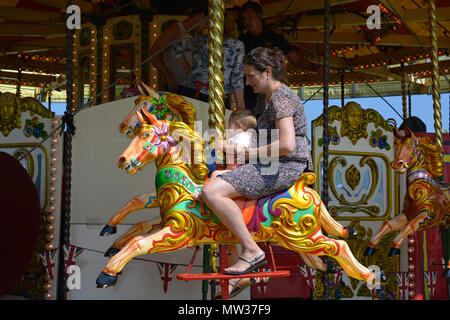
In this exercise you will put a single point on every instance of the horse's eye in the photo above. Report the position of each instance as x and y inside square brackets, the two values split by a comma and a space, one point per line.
[147, 134]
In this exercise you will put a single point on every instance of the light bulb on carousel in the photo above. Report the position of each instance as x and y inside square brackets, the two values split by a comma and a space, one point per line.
[411, 266]
[51, 201]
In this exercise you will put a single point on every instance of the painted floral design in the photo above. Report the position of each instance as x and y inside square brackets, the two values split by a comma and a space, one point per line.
[334, 137]
[159, 108]
[35, 128]
[377, 139]
[163, 138]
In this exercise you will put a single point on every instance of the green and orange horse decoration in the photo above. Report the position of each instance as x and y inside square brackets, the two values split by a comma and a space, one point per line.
[293, 218]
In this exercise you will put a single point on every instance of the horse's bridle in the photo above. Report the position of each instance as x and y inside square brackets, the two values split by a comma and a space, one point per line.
[150, 146]
[411, 157]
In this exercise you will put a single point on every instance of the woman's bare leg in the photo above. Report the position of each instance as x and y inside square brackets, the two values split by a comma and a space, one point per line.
[218, 195]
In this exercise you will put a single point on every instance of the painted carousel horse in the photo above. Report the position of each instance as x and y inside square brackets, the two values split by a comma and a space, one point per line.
[164, 106]
[174, 108]
[292, 218]
[427, 202]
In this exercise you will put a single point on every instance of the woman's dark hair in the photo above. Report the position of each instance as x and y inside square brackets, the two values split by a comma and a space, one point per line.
[261, 58]
[252, 5]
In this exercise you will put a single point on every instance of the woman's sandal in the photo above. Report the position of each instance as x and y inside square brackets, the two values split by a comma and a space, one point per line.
[237, 288]
[254, 264]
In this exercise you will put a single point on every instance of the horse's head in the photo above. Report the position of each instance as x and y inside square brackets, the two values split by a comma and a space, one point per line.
[167, 106]
[405, 150]
[130, 123]
[151, 140]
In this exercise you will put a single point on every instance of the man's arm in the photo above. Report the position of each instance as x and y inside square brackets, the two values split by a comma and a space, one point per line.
[158, 61]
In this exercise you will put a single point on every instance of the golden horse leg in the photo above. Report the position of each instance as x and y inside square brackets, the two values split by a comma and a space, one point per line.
[143, 201]
[313, 261]
[330, 225]
[388, 226]
[408, 228]
[350, 265]
[319, 245]
[143, 244]
[139, 228]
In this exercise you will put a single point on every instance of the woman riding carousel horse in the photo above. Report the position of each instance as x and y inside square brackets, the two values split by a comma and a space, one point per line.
[288, 212]
[278, 108]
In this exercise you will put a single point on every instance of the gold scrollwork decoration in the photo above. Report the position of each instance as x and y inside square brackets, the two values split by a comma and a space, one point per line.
[11, 108]
[352, 176]
[365, 197]
[354, 120]
[29, 165]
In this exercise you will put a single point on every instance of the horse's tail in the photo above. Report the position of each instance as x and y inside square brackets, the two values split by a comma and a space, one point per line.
[330, 225]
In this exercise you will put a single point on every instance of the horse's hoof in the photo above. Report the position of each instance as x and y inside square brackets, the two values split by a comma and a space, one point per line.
[394, 252]
[370, 251]
[108, 230]
[105, 280]
[111, 252]
[352, 234]
[446, 273]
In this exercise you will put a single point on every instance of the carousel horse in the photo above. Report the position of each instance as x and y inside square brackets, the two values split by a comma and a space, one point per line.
[164, 106]
[292, 218]
[176, 108]
[427, 202]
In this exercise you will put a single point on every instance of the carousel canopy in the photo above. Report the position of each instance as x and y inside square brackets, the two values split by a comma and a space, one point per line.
[33, 39]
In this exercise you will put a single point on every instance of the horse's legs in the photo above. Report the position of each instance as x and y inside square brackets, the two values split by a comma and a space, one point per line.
[408, 229]
[330, 225]
[143, 201]
[137, 229]
[349, 263]
[313, 261]
[139, 245]
[388, 226]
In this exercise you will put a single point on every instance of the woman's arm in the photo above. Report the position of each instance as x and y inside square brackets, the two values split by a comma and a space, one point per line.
[284, 145]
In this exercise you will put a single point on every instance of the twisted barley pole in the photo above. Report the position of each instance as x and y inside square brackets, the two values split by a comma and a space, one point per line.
[325, 134]
[215, 68]
[216, 88]
[435, 78]
[403, 83]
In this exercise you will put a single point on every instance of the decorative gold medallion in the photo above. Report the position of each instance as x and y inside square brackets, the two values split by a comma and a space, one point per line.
[352, 177]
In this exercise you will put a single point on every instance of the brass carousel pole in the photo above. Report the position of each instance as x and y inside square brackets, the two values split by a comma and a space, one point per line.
[325, 136]
[216, 92]
[403, 84]
[435, 78]
[438, 126]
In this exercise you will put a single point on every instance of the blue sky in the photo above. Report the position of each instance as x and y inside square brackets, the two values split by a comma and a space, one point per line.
[422, 107]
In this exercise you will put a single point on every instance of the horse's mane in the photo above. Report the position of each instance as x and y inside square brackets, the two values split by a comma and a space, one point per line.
[176, 103]
[433, 154]
[184, 134]
[183, 107]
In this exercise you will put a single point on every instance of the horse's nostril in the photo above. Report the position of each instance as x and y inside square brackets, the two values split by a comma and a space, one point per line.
[121, 160]
[122, 126]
